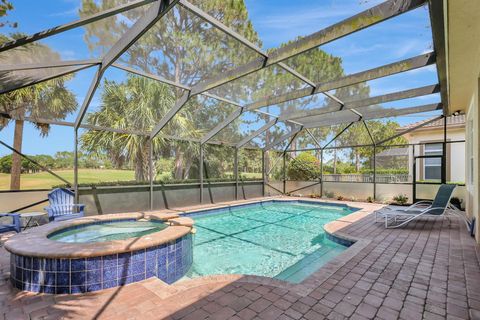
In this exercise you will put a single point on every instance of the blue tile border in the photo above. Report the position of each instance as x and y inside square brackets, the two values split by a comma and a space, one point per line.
[339, 240]
[169, 262]
[221, 210]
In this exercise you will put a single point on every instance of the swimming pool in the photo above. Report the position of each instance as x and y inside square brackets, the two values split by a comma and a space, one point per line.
[279, 239]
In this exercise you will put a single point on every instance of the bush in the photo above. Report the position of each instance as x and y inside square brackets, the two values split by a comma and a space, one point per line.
[304, 167]
[400, 199]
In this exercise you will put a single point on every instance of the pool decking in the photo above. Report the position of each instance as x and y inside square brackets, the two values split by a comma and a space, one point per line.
[429, 269]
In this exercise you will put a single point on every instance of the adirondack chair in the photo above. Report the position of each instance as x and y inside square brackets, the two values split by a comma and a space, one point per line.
[62, 205]
[14, 226]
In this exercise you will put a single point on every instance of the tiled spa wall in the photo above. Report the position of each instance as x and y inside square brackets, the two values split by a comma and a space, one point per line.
[169, 262]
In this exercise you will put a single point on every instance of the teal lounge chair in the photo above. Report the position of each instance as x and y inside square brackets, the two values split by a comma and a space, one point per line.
[396, 218]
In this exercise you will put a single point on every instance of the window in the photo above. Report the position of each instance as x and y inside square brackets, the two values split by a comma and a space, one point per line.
[433, 166]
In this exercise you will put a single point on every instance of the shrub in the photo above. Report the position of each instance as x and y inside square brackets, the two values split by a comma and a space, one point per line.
[400, 199]
[370, 199]
[330, 194]
[304, 167]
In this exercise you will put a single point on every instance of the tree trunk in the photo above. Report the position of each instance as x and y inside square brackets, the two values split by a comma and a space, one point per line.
[334, 161]
[178, 164]
[16, 158]
[357, 161]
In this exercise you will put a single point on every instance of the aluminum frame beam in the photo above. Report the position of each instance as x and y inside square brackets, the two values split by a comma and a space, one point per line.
[283, 138]
[46, 65]
[256, 133]
[367, 18]
[141, 26]
[25, 82]
[381, 142]
[221, 125]
[222, 27]
[437, 20]
[371, 74]
[400, 95]
[372, 16]
[68, 26]
[375, 114]
[338, 135]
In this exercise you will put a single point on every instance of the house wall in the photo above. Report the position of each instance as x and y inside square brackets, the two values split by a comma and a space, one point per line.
[472, 159]
[455, 151]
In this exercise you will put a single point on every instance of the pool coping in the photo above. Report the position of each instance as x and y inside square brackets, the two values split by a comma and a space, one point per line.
[35, 242]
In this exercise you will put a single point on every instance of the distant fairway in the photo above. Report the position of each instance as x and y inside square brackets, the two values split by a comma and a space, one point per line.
[44, 180]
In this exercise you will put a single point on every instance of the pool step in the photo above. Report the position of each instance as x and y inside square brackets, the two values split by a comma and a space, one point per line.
[299, 271]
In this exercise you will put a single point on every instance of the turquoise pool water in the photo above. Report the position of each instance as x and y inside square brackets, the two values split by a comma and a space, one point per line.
[279, 240]
[108, 231]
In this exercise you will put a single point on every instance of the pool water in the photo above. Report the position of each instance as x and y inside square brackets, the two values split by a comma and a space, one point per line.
[108, 231]
[280, 240]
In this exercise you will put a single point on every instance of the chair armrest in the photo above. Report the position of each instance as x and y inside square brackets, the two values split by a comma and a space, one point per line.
[416, 204]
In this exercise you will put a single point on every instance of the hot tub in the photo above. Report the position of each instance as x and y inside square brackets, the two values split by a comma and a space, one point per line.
[96, 253]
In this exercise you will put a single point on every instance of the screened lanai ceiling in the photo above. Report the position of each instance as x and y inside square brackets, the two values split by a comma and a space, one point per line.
[209, 79]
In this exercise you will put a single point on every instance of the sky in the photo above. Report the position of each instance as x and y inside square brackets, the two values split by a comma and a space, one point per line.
[276, 22]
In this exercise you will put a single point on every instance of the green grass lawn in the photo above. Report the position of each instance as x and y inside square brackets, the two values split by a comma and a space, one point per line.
[44, 180]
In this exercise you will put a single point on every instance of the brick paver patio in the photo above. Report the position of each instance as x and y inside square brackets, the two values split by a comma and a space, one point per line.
[429, 270]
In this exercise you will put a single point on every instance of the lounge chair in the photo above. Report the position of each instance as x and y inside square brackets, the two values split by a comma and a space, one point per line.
[436, 208]
[14, 226]
[62, 206]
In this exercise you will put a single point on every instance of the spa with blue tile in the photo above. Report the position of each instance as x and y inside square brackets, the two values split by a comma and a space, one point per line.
[169, 262]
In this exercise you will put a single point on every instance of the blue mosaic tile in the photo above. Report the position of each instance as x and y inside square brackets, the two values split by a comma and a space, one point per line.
[48, 289]
[35, 287]
[94, 263]
[109, 284]
[138, 267]
[27, 263]
[124, 258]
[50, 265]
[19, 261]
[94, 276]
[139, 277]
[63, 279]
[78, 265]
[110, 274]
[151, 254]
[169, 262]
[162, 260]
[94, 287]
[125, 280]
[77, 289]
[138, 255]
[36, 263]
[27, 276]
[19, 274]
[77, 278]
[63, 265]
[110, 261]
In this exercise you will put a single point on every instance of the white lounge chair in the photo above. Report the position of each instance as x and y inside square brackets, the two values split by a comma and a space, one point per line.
[395, 218]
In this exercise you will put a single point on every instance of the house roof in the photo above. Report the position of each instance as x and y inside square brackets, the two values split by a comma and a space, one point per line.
[452, 121]
[393, 152]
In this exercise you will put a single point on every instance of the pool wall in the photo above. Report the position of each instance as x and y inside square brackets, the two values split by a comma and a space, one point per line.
[169, 262]
[196, 213]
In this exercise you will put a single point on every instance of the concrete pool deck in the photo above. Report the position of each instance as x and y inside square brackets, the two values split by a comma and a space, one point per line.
[429, 269]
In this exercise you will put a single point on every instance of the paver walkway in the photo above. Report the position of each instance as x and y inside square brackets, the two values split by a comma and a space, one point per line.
[429, 270]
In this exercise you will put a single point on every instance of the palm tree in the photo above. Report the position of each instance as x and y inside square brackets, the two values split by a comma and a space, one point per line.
[136, 105]
[49, 99]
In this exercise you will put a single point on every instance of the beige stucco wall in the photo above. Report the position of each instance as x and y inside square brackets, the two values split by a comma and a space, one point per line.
[463, 64]
[455, 151]
[472, 167]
